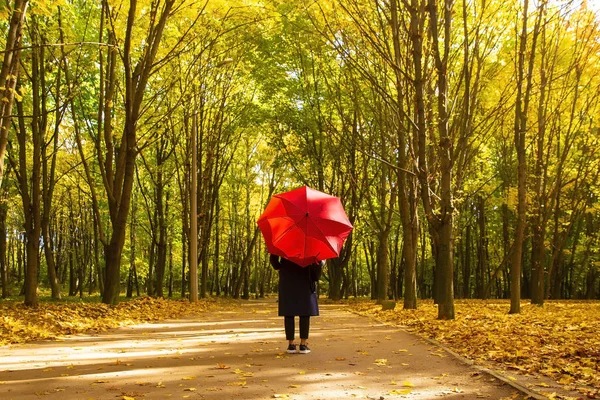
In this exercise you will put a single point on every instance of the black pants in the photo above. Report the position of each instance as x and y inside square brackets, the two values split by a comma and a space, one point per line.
[290, 327]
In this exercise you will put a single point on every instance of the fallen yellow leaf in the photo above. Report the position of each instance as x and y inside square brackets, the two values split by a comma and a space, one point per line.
[400, 392]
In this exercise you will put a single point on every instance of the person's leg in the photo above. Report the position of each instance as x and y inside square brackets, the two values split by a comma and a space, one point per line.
[304, 328]
[290, 328]
[289, 333]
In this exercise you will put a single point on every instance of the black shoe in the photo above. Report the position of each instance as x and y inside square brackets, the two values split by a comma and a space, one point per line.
[292, 349]
[304, 349]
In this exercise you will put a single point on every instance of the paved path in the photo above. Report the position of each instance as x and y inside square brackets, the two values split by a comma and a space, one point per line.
[241, 353]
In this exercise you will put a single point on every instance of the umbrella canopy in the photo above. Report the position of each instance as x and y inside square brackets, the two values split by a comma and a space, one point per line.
[304, 226]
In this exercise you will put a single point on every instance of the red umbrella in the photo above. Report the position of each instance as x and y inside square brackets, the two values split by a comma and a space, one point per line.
[304, 226]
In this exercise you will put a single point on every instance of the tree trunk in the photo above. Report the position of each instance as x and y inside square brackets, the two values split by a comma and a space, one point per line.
[482, 250]
[217, 279]
[442, 221]
[406, 180]
[151, 262]
[3, 259]
[539, 218]
[170, 286]
[132, 244]
[524, 85]
[383, 265]
[162, 210]
[467, 266]
[369, 250]
[30, 191]
[245, 265]
[9, 72]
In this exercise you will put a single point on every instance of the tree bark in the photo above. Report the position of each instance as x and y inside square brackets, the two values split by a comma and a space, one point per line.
[3, 259]
[30, 189]
[467, 266]
[9, 73]
[482, 250]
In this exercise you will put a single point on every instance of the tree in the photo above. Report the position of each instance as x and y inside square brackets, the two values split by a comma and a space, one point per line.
[524, 86]
[118, 178]
[9, 73]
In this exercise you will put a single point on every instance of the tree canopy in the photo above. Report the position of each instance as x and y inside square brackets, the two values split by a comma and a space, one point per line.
[461, 137]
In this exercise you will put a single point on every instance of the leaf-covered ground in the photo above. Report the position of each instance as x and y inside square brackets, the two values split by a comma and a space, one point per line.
[20, 324]
[238, 351]
[560, 340]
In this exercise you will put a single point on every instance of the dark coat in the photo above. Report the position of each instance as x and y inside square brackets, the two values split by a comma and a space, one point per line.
[297, 287]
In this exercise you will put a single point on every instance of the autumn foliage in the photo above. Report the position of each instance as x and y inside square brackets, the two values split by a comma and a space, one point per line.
[20, 324]
[560, 340]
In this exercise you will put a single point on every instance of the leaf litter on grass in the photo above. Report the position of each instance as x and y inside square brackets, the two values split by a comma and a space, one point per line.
[559, 340]
[21, 324]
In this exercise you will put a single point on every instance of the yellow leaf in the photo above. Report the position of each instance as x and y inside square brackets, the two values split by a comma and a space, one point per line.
[190, 389]
[188, 378]
[400, 392]
[407, 384]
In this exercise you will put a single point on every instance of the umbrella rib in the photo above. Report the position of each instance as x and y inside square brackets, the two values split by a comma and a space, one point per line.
[300, 211]
[282, 234]
[324, 235]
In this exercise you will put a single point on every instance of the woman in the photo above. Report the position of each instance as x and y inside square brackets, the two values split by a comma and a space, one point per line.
[297, 297]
